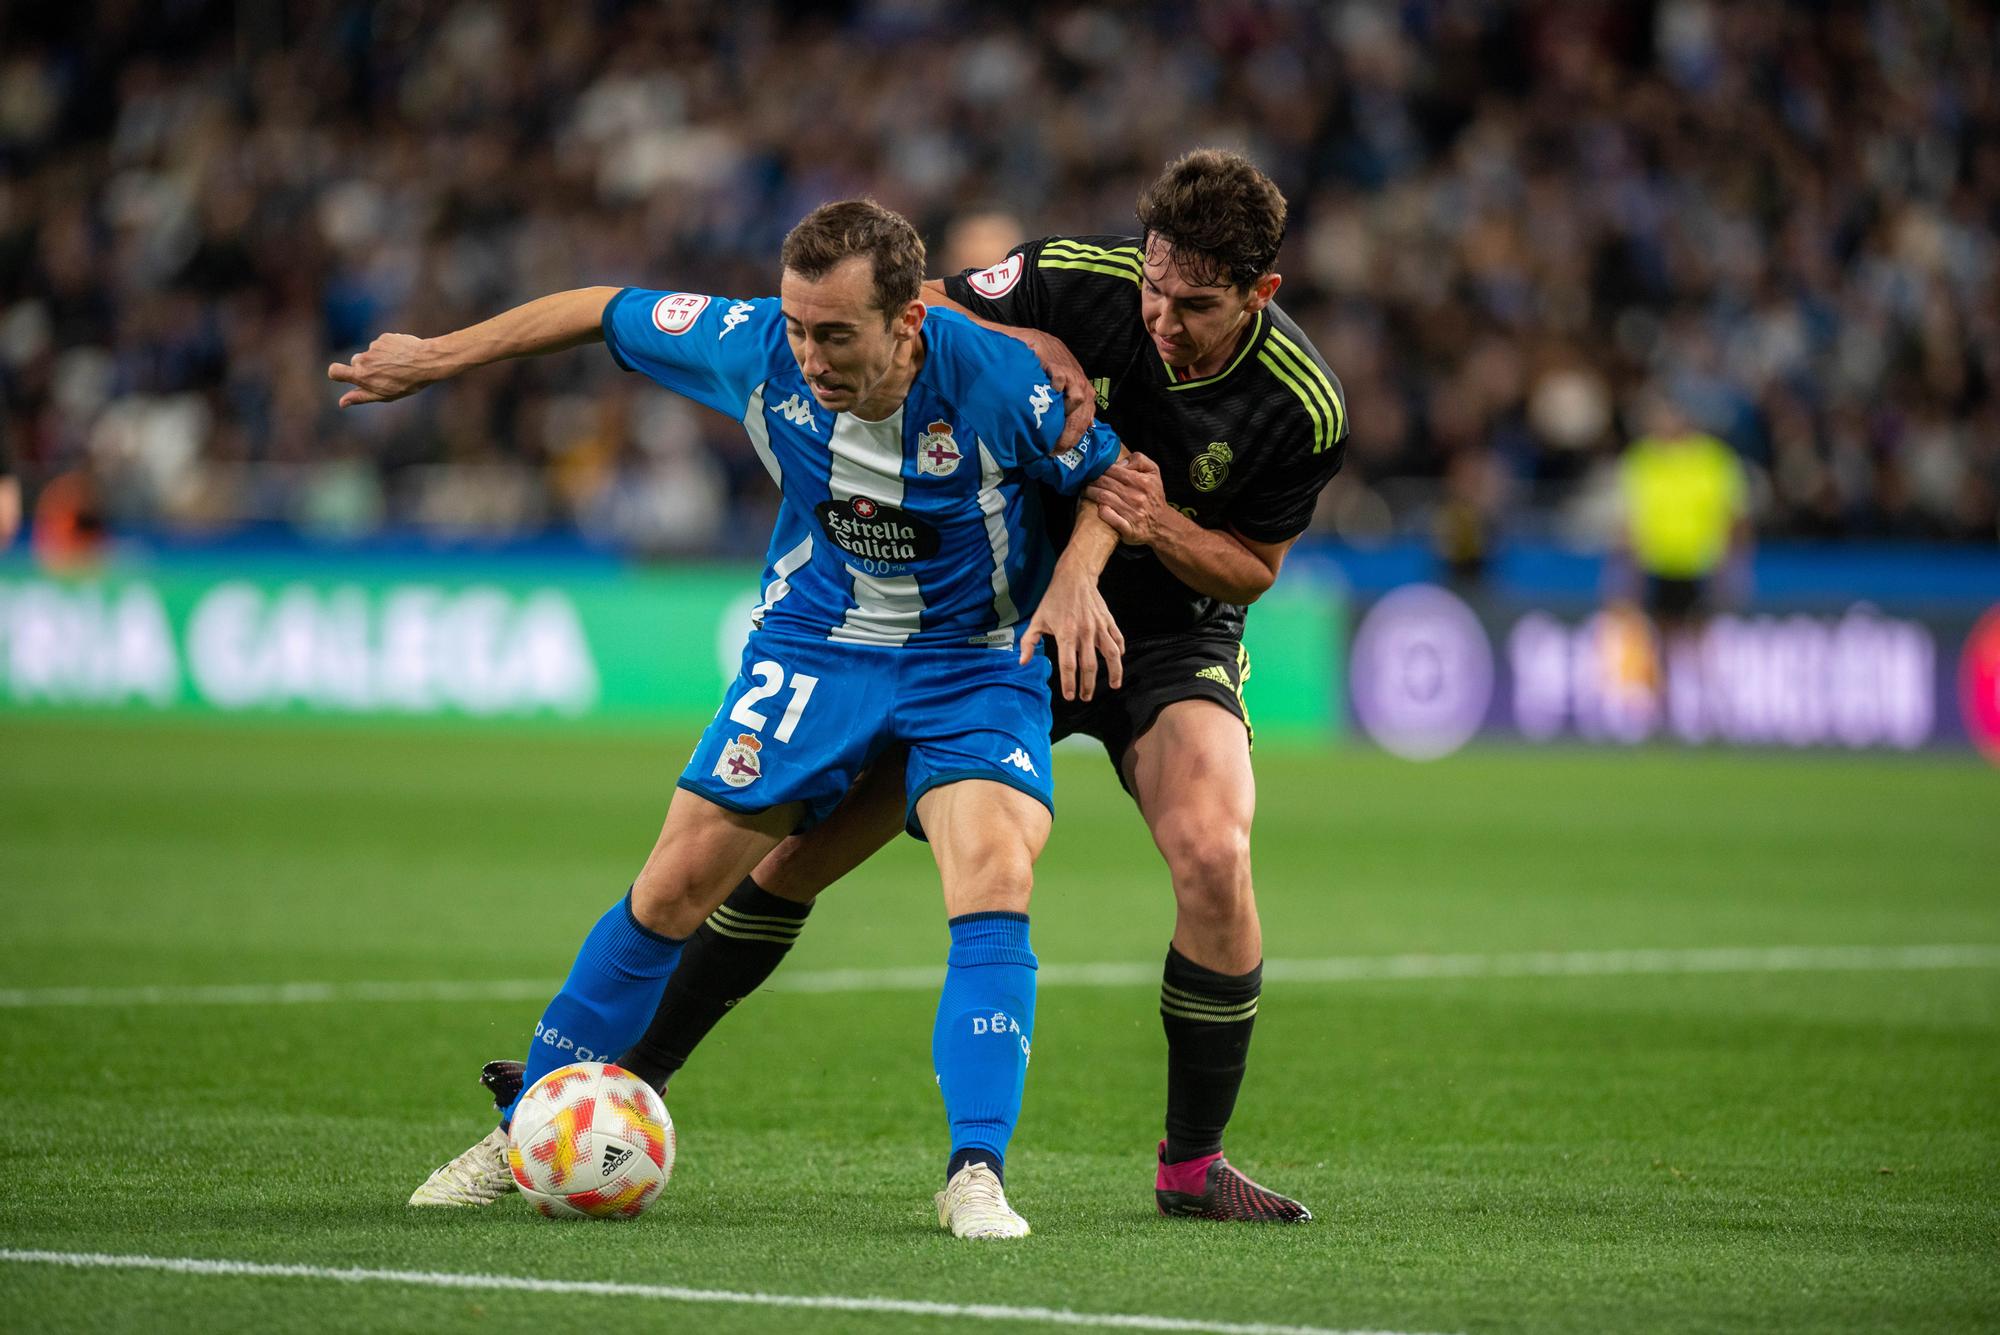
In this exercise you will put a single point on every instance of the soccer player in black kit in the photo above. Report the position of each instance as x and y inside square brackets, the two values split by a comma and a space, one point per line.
[1235, 424]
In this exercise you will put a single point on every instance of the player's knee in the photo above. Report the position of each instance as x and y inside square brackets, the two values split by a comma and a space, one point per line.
[990, 875]
[1209, 862]
[789, 871]
[665, 903]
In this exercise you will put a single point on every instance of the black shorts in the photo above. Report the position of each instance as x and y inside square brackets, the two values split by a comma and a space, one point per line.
[1160, 670]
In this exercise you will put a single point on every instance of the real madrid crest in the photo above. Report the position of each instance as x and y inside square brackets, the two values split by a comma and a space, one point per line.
[1211, 466]
[937, 452]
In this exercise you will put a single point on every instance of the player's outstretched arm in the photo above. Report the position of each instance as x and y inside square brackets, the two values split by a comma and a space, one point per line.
[397, 365]
[1073, 613]
[1065, 372]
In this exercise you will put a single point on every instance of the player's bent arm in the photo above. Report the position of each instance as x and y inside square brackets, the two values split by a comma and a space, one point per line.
[1220, 563]
[396, 365]
[1073, 613]
[1065, 372]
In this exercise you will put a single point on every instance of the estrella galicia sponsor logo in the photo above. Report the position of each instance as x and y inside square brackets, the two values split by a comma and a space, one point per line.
[876, 532]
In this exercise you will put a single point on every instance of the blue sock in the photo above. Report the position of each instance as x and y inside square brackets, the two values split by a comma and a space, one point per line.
[611, 993]
[985, 1020]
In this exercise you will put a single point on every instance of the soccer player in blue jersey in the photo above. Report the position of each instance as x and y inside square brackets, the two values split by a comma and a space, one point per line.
[908, 552]
[1235, 423]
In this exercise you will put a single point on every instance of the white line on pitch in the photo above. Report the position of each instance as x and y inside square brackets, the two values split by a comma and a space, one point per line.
[436, 1279]
[1340, 969]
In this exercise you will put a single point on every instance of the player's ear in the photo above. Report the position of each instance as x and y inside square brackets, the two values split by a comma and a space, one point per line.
[909, 321]
[1263, 290]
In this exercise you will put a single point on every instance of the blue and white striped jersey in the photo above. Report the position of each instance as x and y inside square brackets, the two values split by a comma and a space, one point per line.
[922, 529]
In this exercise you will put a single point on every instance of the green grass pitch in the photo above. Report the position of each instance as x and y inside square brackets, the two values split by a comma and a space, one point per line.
[1750, 1150]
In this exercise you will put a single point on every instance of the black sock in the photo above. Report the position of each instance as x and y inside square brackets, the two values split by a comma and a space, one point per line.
[961, 1158]
[728, 957]
[1208, 1017]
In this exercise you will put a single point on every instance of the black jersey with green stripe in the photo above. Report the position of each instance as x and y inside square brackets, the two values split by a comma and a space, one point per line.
[1247, 449]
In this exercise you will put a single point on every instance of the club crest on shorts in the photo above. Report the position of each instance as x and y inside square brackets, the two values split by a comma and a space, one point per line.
[937, 453]
[738, 766]
[1211, 466]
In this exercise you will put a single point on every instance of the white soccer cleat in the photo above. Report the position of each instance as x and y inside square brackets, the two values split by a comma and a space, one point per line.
[479, 1176]
[973, 1205]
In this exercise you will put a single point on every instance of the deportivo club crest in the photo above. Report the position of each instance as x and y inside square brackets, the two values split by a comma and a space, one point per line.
[1211, 466]
[739, 767]
[937, 452]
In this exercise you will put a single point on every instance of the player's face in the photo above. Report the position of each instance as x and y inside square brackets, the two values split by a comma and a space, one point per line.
[847, 349]
[1194, 326]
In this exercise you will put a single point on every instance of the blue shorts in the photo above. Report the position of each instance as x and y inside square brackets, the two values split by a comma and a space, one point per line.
[804, 717]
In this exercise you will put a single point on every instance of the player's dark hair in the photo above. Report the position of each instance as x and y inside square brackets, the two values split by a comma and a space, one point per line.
[1224, 219]
[835, 232]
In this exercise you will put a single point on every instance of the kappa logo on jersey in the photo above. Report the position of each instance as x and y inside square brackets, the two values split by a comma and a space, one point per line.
[738, 766]
[877, 532]
[999, 280]
[1019, 760]
[796, 411]
[937, 453]
[676, 312]
[1041, 401]
[734, 316]
[1211, 466]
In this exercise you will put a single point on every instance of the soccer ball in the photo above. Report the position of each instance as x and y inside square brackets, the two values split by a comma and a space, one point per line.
[591, 1141]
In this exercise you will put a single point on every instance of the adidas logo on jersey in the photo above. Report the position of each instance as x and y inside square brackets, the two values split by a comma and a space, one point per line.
[1019, 760]
[797, 411]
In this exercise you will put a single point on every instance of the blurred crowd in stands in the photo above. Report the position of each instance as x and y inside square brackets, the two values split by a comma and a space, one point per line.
[1510, 223]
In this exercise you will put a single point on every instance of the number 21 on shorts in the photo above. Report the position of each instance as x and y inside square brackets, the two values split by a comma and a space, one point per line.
[770, 680]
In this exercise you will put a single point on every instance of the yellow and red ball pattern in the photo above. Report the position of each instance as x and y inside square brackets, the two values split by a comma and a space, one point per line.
[591, 1140]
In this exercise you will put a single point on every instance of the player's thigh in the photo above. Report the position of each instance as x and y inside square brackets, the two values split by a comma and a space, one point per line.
[703, 851]
[985, 836]
[797, 725]
[867, 818]
[1190, 772]
[974, 714]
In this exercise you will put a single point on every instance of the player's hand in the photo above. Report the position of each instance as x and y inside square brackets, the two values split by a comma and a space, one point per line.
[1066, 378]
[1132, 498]
[1073, 614]
[393, 367]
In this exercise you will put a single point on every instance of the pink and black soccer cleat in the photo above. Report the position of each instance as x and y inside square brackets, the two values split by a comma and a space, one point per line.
[1208, 1188]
